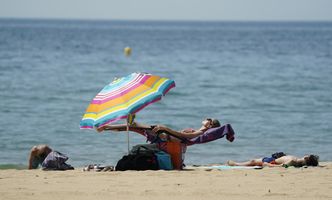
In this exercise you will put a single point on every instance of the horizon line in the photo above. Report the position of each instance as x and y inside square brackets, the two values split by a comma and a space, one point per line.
[165, 20]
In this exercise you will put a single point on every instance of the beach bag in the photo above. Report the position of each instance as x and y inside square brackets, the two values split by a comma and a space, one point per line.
[176, 150]
[164, 160]
[56, 161]
[145, 148]
[140, 158]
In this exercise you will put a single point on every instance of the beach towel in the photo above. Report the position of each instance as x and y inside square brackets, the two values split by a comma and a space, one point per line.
[214, 134]
[223, 167]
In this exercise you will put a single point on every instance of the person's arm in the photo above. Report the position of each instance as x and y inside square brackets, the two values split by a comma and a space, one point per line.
[192, 135]
[167, 129]
[116, 127]
[177, 133]
[122, 127]
[265, 164]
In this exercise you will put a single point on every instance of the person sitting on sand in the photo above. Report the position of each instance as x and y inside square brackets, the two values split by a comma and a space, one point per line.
[186, 133]
[286, 161]
[37, 155]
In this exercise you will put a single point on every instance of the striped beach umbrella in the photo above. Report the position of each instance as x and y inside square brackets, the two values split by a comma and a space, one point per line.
[124, 97]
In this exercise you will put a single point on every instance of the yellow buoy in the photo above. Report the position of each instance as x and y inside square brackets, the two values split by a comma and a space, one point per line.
[127, 51]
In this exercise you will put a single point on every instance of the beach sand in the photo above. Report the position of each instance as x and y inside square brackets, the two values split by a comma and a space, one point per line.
[267, 183]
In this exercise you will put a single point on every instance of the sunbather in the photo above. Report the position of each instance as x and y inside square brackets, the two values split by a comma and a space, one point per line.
[37, 155]
[172, 135]
[189, 133]
[286, 160]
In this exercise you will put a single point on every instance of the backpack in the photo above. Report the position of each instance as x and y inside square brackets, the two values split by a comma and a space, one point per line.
[141, 157]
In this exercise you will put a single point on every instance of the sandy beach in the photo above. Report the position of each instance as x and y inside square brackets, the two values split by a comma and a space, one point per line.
[267, 183]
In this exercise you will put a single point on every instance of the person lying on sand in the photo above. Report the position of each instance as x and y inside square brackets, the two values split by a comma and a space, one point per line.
[186, 133]
[37, 155]
[286, 161]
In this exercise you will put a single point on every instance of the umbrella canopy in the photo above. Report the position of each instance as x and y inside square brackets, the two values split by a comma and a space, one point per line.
[124, 97]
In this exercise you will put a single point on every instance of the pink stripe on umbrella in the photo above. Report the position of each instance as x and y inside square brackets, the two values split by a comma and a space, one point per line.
[120, 93]
[112, 120]
[135, 81]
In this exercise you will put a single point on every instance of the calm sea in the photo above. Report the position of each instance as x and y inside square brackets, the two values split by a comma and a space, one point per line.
[271, 81]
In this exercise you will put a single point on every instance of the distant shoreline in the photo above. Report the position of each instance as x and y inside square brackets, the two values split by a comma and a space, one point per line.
[170, 21]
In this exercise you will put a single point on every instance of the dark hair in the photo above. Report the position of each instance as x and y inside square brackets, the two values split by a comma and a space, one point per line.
[215, 123]
[312, 160]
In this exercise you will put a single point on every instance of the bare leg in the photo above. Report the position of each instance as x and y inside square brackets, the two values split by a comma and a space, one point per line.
[255, 162]
[139, 125]
[122, 127]
[135, 127]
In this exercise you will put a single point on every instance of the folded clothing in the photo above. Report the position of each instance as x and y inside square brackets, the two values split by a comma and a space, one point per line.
[56, 161]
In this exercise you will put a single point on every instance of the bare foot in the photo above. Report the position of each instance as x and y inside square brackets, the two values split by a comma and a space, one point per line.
[231, 163]
[100, 129]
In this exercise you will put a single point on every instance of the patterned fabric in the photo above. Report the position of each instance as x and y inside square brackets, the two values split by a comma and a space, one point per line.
[56, 161]
[214, 134]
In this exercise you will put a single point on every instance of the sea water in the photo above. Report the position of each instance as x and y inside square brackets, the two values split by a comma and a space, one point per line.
[270, 80]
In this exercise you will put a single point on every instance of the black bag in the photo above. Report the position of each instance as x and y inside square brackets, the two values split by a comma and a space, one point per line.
[142, 148]
[278, 155]
[140, 158]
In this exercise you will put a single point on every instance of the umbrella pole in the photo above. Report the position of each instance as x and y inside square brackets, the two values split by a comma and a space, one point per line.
[130, 121]
[128, 136]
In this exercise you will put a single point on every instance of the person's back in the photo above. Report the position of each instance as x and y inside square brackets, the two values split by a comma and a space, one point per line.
[285, 159]
[37, 155]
